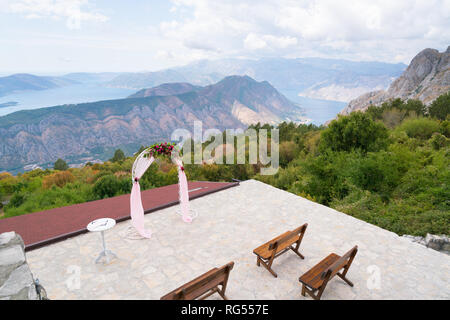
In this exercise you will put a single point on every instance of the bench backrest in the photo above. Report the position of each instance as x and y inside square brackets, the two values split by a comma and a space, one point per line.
[342, 262]
[202, 284]
[292, 237]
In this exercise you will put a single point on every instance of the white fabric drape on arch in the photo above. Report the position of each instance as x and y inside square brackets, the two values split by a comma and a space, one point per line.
[140, 166]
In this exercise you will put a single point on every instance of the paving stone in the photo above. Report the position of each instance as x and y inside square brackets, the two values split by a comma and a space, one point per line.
[230, 224]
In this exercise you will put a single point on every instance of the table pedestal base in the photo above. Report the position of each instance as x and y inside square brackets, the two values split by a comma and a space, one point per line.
[105, 253]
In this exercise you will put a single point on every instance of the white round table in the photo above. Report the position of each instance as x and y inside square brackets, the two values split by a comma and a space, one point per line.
[101, 225]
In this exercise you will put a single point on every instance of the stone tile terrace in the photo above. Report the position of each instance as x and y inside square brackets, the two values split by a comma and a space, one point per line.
[230, 224]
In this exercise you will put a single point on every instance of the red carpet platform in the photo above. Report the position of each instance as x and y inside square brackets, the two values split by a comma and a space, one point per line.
[44, 227]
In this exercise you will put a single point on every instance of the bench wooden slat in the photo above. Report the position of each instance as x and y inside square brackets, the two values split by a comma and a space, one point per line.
[318, 276]
[313, 278]
[203, 285]
[267, 252]
[200, 290]
[263, 250]
[196, 280]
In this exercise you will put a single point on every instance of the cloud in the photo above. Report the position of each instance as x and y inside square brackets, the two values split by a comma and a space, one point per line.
[72, 11]
[353, 29]
[164, 55]
[189, 30]
[253, 42]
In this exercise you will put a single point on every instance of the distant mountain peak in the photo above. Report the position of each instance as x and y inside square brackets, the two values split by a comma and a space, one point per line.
[27, 82]
[425, 79]
[166, 89]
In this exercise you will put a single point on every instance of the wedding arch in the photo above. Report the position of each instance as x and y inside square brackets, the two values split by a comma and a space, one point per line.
[140, 165]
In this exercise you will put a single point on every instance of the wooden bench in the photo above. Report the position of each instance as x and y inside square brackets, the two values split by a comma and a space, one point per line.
[203, 286]
[276, 247]
[317, 278]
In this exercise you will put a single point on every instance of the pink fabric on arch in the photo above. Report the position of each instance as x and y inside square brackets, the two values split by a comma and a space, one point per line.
[141, 164]
[137, 211]
[184, 195]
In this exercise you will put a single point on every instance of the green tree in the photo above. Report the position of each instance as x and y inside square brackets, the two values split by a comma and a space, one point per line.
[326, 176]
[440, 108]
[119, 156]
[60, 164]
[416, 106]
[394, 108]
[16, 200]
[354, 132]
[287, 151]
[107, 186]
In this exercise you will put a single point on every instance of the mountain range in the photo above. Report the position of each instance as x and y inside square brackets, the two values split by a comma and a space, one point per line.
[166, 89]
[425, 79]
[329, 79]
[86, 131]
[24, 82]
[321, 86]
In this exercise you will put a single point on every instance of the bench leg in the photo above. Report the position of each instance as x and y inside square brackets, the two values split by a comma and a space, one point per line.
[222, 294]
[298, 253]
[311, 293]
[268, 265]
[269, 268]
[345, 279]
[319, 294]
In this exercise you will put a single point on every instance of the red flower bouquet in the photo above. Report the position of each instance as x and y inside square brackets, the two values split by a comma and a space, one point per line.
[161, 149]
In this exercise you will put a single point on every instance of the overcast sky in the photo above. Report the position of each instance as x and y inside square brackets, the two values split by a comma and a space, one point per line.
[54, 36]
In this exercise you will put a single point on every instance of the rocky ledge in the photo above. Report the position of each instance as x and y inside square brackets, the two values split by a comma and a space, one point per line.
[16, 280]
[440, 243]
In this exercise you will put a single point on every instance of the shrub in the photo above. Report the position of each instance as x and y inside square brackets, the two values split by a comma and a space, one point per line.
[392, 118]
[445, 128]
[107, 186]
[4, 175]
[8, 185]
[398, 107]
[438, 141]
[287, 151]
[327, 176]
[354, 132]
[420, 128]
[16, 200]
[59, 179]
[378, 172]
[416, 106]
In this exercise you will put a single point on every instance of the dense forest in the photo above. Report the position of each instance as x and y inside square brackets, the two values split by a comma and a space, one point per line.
[389, 166]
